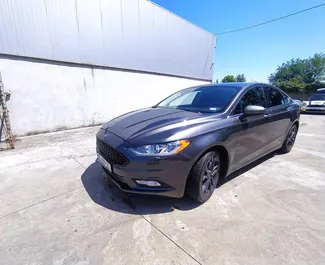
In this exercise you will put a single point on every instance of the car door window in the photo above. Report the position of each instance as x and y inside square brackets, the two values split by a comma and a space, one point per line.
[286, 99]
[254, 96]
[275, 97]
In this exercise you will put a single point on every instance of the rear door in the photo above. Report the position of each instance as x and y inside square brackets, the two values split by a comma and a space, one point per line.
[254, 138]
[280, 104]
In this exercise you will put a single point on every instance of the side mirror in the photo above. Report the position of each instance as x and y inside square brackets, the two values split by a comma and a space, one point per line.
[253, 110]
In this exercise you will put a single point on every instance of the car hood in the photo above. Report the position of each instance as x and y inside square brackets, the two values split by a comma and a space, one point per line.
[156, 125]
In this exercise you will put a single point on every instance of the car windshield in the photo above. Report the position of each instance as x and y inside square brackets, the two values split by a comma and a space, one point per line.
[317, 97]
[210, 99]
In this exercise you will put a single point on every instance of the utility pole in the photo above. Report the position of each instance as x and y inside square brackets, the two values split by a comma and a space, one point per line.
[5, 128]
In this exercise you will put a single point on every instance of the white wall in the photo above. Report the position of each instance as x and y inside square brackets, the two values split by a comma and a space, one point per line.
[49, 97]
[128, 34]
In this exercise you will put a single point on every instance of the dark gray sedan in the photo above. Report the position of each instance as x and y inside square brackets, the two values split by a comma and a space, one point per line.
[190, 140]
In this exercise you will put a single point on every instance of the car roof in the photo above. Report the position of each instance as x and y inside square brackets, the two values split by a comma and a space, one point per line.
[234, 84]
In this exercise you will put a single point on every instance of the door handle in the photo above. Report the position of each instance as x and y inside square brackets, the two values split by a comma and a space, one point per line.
[267, 116]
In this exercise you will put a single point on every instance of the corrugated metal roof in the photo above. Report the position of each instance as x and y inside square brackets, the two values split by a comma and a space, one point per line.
[130, 34]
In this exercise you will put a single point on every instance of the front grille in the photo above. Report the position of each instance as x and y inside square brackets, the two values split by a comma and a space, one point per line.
[316, 110]
[316, 106]
[110, 154]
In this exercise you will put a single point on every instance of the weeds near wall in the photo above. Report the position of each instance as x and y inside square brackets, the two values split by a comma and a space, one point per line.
[6, 138]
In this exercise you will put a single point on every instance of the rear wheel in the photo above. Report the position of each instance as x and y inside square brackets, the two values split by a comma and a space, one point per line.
[204, 177]
[290, 140]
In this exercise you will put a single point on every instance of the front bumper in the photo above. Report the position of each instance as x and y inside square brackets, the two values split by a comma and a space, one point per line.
[314, 109]
[170, 172]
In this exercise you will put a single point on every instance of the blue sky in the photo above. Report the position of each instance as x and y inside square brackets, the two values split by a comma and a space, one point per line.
[256, 52]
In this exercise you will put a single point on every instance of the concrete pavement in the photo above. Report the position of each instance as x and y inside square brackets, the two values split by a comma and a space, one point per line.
[57, 207]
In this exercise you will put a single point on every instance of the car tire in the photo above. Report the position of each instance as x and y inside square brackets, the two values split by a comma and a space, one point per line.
[290, 140]
[204, 176]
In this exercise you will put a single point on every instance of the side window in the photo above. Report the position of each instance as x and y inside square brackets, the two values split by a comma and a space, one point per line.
[275, 97]
[286, 99]
[254, 96]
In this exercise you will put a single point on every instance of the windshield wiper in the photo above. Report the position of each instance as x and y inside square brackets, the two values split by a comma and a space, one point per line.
[190, 110]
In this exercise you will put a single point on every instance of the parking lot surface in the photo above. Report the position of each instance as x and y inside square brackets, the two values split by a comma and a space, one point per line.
[57, 207]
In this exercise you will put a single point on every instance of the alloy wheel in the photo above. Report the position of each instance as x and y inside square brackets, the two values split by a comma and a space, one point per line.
[210, 175]
[291, 137]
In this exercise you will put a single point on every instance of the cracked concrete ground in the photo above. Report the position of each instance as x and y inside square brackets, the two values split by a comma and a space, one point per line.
[57, 207]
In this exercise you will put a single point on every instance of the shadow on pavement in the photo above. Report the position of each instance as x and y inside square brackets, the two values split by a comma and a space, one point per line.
[246, 168]
[103, 192]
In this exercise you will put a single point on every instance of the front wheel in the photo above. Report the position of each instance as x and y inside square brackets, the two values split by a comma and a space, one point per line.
[290, 140]
[204, 177]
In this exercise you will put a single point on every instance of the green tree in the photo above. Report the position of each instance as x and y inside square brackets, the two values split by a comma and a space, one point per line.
[241, 78]
[228, 79]
[300, 75]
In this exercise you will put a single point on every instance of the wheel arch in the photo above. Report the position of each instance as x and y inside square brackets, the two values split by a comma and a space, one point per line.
[296, 122]
[224, 154]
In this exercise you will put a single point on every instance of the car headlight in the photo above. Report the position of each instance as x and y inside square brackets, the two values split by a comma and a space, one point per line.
[164, 149]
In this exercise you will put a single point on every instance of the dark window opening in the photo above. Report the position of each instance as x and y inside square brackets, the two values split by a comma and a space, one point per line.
[275, 97]
[254, 96]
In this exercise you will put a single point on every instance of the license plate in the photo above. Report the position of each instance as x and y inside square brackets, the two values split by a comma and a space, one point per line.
[104, 163]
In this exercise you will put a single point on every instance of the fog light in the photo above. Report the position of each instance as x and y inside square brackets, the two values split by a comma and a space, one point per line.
[150, 183]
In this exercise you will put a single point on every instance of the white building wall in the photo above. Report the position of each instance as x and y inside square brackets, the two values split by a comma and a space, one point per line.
[50, 97]
[128, 34]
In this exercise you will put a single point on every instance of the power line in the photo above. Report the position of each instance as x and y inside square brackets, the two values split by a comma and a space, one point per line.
[270, 21]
